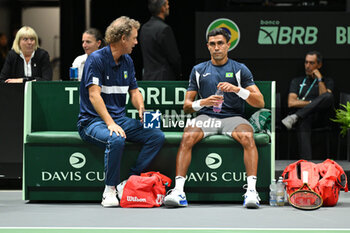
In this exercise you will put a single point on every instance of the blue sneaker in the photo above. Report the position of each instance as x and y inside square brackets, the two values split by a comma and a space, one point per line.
[175, 198]
[251, 199]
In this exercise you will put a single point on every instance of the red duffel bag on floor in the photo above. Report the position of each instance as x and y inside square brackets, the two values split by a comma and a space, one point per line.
[146, 190]
[332, 180]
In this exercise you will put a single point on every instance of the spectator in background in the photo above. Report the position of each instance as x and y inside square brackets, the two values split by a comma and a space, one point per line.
[26, 61]
[3, 49]
[92, 40]
[311, 100]
[161, 57]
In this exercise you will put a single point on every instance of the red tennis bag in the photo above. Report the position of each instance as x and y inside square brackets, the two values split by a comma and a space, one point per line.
[332, 180]
[326, 179]
[146, 190]
[292, 176]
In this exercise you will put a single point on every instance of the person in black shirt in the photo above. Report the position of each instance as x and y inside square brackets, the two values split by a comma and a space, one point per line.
[161, 57]
[310, 99]
[26, 61]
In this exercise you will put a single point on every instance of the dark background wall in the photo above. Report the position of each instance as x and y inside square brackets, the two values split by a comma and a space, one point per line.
[182, 19]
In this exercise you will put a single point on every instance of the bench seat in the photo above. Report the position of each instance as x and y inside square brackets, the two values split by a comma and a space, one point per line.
[72, 137]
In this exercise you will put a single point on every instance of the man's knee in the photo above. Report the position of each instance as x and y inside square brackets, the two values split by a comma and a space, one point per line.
[158, 137]
[115, 141]
[327, 96]
[246, 139]
[191, 137]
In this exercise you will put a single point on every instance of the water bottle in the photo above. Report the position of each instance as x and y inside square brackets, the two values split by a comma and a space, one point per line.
[217, 106]
[280, 192]
[73, 73]
[273, 193]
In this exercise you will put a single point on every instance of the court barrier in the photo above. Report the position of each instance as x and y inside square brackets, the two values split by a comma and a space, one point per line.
[59, 166]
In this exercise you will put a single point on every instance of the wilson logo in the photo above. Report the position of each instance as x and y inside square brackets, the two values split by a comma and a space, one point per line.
[135, 199]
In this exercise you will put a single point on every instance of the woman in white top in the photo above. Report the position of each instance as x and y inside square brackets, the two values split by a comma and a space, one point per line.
[92, 40]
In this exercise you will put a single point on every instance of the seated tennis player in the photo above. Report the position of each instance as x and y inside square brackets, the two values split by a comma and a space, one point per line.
[236, 81]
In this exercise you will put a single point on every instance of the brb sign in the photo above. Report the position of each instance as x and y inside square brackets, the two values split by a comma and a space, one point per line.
[274, 33]
[277, 34]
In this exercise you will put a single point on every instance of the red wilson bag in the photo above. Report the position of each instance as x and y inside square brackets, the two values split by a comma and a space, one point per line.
[292, 176]
[332, 180]
[326, 179]
[146, 190]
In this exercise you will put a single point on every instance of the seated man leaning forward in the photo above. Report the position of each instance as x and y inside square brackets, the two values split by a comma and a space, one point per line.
[108, 75]
[236, 81]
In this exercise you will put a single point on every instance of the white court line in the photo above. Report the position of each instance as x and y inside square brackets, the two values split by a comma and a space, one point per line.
[179, 228]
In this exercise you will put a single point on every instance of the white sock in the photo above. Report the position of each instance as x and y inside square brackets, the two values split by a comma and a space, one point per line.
[109, 189]
[251, 181]
[179, 183]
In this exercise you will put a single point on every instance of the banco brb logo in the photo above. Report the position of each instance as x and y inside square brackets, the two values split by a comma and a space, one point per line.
[230, 27]
[77, 160]
[283, 35]
[213, 160]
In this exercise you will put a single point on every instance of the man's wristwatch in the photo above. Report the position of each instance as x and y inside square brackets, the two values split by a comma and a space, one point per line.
[320, 79]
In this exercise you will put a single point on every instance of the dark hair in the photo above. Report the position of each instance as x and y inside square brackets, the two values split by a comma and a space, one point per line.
[97, 34]
[318, 55]
[154, 6]
[219, 31]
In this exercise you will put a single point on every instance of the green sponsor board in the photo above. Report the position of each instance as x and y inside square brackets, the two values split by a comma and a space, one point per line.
[276, 35]
[55, 105]
[283, 35]
[343, 35]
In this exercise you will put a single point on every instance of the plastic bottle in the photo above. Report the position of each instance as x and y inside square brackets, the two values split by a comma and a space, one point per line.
[73, 73]
[273, 193]
[218, 105]
[280, 192]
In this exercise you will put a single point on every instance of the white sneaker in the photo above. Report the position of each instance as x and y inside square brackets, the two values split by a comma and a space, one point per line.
[289, 121]
[251, 199]
[109, 199]
[175, 198]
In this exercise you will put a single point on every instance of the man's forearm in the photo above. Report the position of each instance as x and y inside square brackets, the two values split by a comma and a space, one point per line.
[298, 103]
[100, 107]
[137, 100]
[322, 88]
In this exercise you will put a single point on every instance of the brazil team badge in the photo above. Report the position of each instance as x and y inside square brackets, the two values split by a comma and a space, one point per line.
[229, 75]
